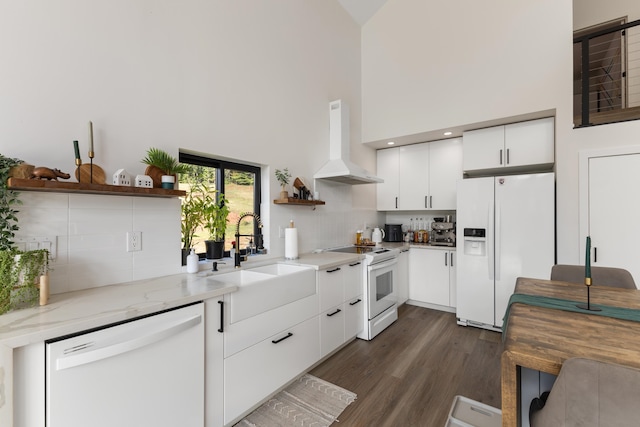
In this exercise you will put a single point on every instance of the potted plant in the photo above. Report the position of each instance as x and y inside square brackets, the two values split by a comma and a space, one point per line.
[163, 168]
[283, 177]
[216, 211]
[192, 214]
[19, 271]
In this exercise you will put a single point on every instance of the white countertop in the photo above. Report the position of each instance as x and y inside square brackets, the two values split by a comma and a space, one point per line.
[73, 312]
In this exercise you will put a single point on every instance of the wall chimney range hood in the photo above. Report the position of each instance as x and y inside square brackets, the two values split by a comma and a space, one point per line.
[339, 168]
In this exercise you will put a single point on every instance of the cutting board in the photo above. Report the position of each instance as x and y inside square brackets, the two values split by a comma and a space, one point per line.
[84, 174]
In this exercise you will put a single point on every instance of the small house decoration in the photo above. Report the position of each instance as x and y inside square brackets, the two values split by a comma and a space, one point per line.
[122, 177]
[144, 181]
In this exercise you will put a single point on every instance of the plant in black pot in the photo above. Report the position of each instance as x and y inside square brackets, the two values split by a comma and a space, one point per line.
[19, 270]
[216, 211]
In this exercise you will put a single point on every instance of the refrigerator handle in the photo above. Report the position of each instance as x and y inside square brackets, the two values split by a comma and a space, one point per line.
[490, 242]
[497, 239]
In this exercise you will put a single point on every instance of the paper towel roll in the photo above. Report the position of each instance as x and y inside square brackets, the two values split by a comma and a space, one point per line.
[291, 243]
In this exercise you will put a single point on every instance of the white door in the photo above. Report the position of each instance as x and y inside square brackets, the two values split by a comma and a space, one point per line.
[414, 177]
[445, 169]
[614, 212]
[475, 287]
[388, 168]
[524, 232]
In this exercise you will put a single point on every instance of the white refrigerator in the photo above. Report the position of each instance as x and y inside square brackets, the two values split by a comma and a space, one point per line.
[505, 229]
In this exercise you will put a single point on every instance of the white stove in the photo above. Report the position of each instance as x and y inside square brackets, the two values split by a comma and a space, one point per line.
[379, 288]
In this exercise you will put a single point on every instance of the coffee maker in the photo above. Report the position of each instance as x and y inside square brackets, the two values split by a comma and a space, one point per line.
[442, 233]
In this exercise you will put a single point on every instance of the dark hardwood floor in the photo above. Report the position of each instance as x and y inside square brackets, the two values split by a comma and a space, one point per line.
[409, 374]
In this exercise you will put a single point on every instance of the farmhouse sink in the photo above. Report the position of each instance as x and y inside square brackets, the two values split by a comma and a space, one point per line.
[262, 289]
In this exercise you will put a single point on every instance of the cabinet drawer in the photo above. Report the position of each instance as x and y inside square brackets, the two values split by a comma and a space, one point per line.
[331, 287]
[243, 334]
[353, 317]
[255, 373]
[331, 329]
[353, 285]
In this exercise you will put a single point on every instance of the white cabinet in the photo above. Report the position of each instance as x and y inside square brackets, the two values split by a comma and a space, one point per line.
[214, 362]
[341, 305]
[432, 276]
[388, 168]
[413, 187]
[258, 371]
[403, 276]
[518, 145]
[421, 176]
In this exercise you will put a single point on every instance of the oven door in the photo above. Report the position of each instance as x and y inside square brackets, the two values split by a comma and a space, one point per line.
[381, 286]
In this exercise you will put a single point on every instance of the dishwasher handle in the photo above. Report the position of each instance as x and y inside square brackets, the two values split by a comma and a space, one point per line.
[126, 346]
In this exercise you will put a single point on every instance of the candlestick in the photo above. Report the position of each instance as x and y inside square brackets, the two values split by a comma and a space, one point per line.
[76, 149]
[90, 137]
[587, 263]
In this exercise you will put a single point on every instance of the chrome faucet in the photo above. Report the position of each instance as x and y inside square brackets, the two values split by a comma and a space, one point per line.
[258, 238]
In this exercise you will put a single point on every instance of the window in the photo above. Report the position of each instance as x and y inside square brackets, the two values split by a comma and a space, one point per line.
[240, 185]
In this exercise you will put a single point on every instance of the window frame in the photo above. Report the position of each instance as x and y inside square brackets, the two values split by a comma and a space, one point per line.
[221, 165]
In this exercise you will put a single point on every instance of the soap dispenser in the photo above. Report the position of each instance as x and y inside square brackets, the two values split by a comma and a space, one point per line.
[192, 262]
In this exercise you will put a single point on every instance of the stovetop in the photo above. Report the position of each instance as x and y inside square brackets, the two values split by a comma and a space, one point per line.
[372, 253]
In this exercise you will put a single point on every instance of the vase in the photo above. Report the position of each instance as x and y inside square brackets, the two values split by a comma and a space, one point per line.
[284, 195]
[215, 249]
[168, 182]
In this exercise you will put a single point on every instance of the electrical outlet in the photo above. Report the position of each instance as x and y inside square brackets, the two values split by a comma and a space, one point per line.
[134, 241]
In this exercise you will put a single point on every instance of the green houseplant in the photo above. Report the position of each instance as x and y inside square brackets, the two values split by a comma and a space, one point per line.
[192, 214]
[163, 166]
[19, 270]
[215, 213]
[283, 177]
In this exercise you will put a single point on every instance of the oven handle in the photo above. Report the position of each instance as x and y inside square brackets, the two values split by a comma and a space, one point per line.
[383, 264]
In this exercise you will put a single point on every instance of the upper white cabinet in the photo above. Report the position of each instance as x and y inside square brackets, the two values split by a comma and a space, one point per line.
[517, 145]
[420, 176]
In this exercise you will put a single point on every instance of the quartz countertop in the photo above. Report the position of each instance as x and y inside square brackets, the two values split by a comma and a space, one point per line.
[73, 312]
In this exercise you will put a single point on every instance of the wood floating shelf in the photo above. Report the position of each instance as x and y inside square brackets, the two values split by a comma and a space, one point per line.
[87, 188]
[297, 202]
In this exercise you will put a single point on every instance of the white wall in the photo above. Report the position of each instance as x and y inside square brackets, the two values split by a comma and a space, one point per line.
[463, 62]
[240, 79]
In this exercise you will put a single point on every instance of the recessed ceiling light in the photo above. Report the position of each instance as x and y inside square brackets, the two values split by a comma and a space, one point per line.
[447, 133]
[390, 143]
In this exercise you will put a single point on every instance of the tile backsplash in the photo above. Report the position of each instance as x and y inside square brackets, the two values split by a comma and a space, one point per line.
[91, 235]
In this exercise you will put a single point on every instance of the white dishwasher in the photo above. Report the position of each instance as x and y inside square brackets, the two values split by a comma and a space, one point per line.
[144, 372]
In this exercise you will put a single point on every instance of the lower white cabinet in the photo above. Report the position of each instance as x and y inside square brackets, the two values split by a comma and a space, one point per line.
[256, 372]
[432, 276]
[341, 312]
[214, 363]
[403, 276]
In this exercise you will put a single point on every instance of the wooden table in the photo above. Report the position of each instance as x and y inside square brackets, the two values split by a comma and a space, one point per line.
[543, 338]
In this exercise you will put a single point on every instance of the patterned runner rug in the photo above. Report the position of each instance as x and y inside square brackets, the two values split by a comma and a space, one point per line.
[308, 401]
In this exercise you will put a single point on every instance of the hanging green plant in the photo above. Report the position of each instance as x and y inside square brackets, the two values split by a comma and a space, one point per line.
[8, 201]
[19, 274]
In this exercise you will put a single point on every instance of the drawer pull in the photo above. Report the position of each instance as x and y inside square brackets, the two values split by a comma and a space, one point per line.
[289, 335]
[354, 264]
[221, 329]
[334, 270]
[334, 313]
[355, 302]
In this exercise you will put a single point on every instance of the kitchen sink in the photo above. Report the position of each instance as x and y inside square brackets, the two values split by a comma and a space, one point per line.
[264, 288]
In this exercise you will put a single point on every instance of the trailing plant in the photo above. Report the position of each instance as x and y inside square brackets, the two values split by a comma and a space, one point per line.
[216, 211]
[19, 273]
[8, 200]
[283, 177]
[164, 161]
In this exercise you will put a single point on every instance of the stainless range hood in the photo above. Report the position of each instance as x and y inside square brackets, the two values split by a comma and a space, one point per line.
[339, 168]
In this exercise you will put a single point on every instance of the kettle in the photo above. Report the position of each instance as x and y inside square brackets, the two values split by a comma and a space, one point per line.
[377, 235]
